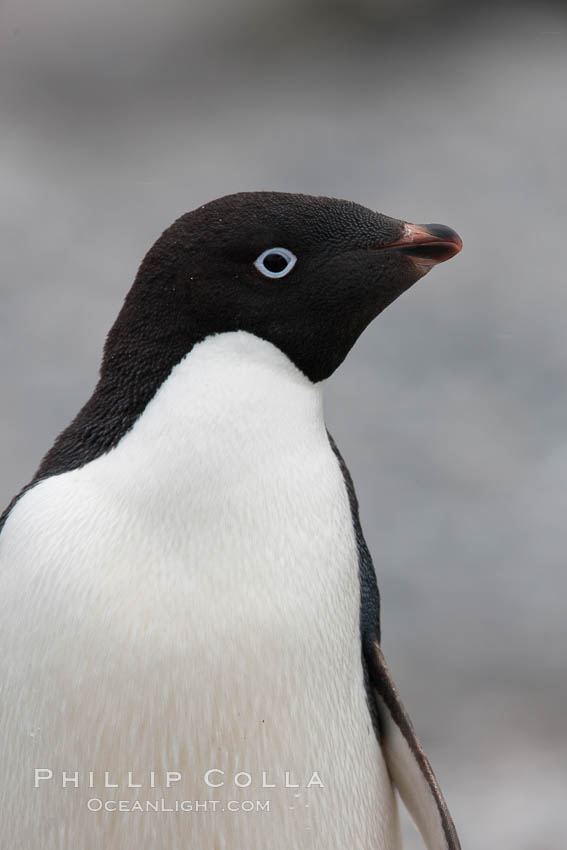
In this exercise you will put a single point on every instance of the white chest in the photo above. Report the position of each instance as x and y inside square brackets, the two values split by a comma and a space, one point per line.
[189, 602]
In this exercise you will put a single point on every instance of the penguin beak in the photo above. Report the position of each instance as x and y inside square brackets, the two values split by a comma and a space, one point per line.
[426, 244]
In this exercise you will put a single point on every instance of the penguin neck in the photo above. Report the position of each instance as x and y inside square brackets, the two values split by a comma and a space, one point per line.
[226, 361]
[234, 407]
[233, 399]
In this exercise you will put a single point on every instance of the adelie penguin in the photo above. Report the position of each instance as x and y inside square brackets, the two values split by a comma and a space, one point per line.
[185, 589]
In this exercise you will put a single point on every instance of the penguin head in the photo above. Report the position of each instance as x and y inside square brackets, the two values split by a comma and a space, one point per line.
[307, 274]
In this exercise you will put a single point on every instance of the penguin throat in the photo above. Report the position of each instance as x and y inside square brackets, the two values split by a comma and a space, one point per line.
[230, 406]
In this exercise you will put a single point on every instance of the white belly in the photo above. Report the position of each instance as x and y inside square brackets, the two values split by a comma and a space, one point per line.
[187, 603]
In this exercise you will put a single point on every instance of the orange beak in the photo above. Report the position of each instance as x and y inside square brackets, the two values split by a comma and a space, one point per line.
[427, 244]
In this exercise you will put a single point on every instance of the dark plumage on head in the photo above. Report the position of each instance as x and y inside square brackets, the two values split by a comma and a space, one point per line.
[201, 277]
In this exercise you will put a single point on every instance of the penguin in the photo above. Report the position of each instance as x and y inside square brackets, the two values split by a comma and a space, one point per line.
[190, 627]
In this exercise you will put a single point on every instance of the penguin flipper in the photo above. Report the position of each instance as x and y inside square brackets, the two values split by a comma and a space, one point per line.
[407, 764]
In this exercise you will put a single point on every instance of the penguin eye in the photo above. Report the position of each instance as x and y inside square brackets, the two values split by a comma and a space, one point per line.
[275, 262]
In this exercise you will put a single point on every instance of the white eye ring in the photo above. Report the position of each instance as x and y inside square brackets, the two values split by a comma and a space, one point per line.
[290, 259]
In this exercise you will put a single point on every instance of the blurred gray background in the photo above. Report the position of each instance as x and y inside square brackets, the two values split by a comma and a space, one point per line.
[451, 411]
